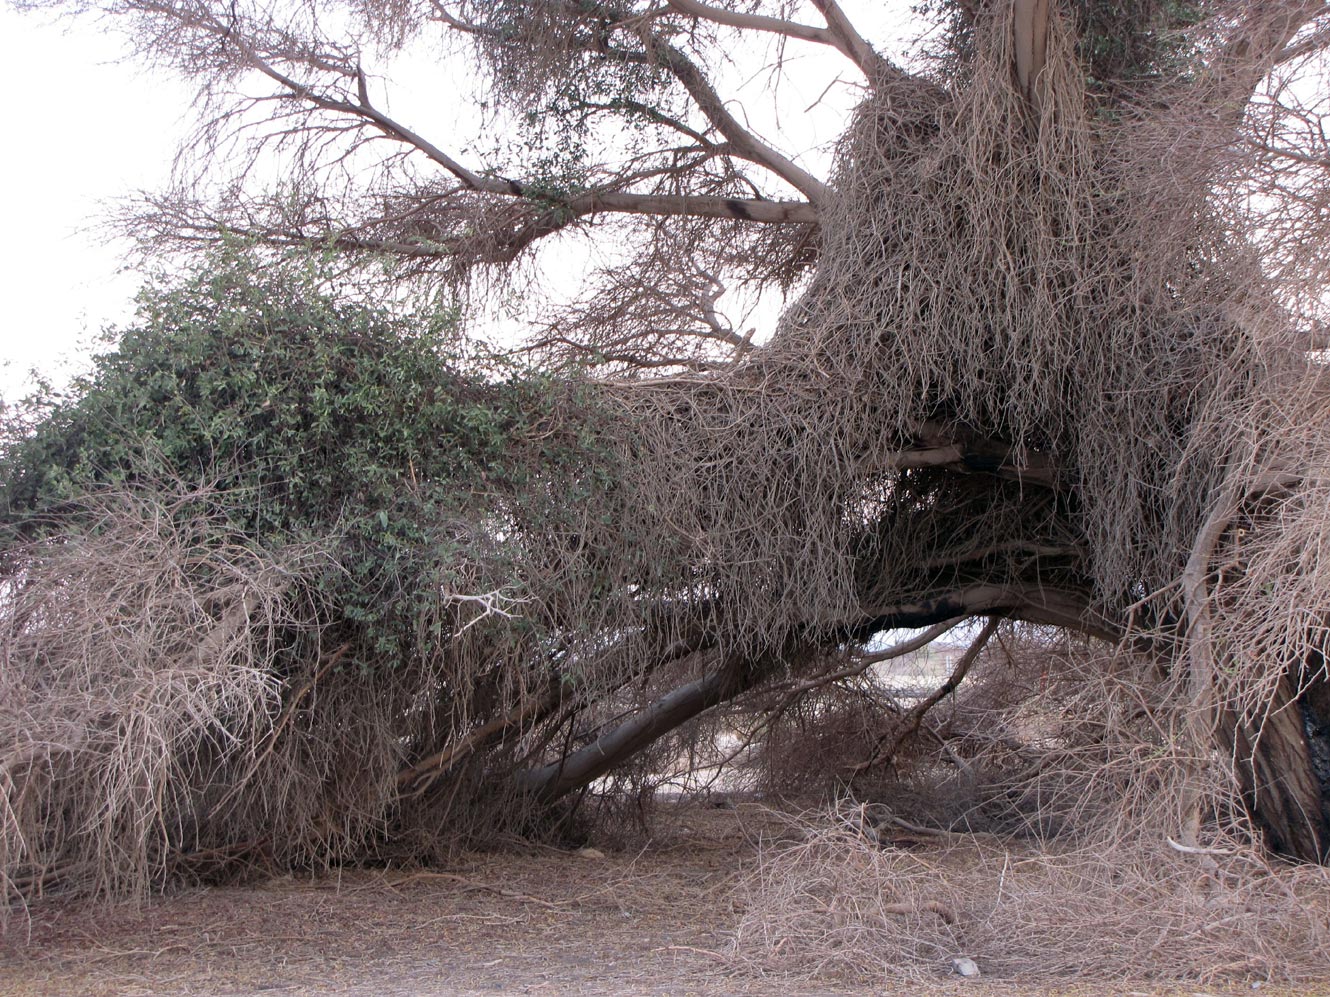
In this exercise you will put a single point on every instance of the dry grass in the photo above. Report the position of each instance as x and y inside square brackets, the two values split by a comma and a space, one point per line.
[659, 919]
[1052, 821]
[138, 672]
[839, 902]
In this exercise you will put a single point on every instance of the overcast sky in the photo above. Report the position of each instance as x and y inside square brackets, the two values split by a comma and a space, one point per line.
[80, 130]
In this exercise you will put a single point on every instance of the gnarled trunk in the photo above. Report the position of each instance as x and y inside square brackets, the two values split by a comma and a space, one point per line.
[1283, 768]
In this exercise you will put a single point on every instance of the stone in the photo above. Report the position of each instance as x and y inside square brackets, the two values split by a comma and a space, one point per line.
[964, 966]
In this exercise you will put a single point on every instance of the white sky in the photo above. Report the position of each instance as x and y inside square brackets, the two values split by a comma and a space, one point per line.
[80, 131]
[86, 129]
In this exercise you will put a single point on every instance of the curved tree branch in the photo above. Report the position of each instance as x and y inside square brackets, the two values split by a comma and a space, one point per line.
[840, 34]
[744, 143]
[736, 675]
[852, 43]
[1030, 602]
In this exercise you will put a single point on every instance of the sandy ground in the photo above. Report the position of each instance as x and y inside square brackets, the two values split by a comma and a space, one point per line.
[636, 921]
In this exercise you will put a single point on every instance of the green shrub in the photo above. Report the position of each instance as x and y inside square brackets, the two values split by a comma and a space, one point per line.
[317, 418]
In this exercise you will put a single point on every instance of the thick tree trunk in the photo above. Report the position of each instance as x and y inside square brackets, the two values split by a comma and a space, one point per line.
[659, 718]
[738, 675]
[1283, 767]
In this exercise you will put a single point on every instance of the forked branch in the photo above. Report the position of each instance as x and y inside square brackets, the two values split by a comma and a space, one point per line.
[915, 717]
[839, 34]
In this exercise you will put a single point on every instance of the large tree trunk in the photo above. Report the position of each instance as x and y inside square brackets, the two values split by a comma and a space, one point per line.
[1283, 768]
[654, 721]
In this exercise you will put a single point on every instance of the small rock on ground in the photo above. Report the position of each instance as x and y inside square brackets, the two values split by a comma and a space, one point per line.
[964, 966]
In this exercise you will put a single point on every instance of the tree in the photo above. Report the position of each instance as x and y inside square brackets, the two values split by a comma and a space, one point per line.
[1047, 352]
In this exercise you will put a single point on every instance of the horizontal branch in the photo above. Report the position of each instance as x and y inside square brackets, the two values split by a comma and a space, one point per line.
[839, 34]
[1010, 548]
[450, 230]
[1032, 603]
[755, 22]
[978, 453]
[699, 206]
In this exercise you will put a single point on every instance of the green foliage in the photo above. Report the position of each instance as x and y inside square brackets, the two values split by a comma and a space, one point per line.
[316, 419]
[1134, 41]
[1123, 45]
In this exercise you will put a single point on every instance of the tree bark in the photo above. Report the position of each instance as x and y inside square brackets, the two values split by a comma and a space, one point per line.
[1283, 768]
[616, 746]
[738, 675]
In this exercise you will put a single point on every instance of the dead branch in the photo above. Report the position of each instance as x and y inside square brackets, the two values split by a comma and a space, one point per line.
[910, 721]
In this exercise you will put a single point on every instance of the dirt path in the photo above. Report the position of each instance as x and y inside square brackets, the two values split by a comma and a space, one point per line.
[546, 922]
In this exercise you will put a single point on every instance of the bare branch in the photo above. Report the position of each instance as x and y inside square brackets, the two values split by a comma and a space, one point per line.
[912, 719]
[1034, 603]
[619, 744]
[853, 44]
[756, 22]
[864, 661]
[1260, 40]
[1316, 41]
[744, 142]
